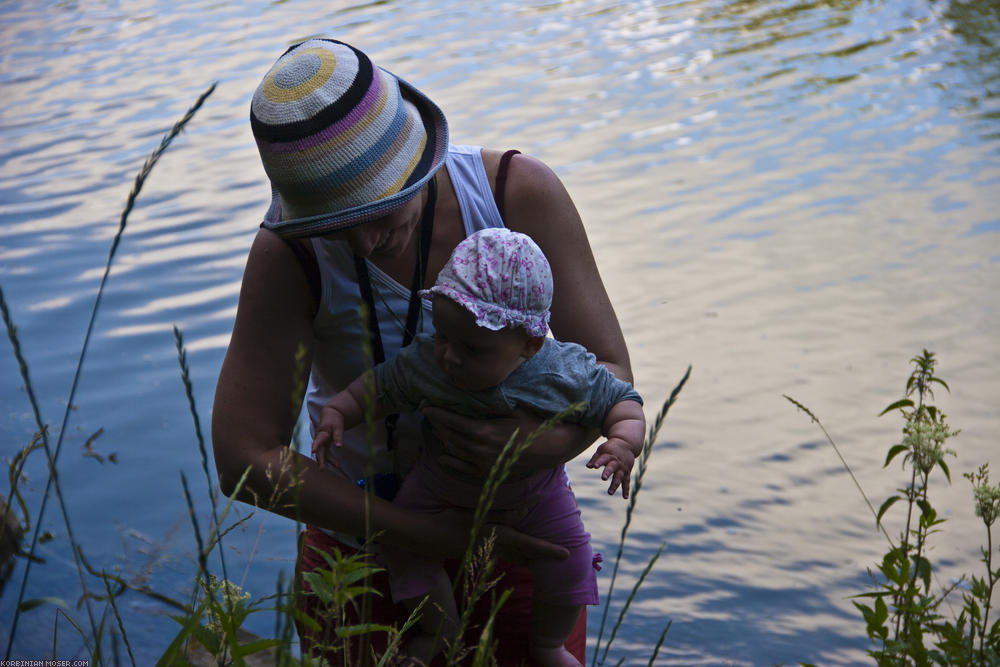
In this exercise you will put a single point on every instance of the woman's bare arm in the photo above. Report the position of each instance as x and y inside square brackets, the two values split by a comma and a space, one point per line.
[537, 204]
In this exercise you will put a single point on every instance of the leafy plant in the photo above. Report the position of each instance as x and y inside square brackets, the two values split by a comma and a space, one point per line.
[902, 615]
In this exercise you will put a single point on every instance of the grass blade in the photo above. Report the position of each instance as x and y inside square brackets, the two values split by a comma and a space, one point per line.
[647, 450]
[628, 602]
[118, 619]
[659, 643]
[140, 179]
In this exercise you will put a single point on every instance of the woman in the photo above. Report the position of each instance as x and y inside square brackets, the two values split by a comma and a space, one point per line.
[364, 214]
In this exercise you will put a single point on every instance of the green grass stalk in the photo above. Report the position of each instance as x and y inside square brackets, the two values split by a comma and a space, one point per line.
[202, 554]
[647, 450]
[140, 179]
[476, 587]
[52, 480]
[212, 499]
[118, 620]
[843, 461]
[659, 644]
[628, 601]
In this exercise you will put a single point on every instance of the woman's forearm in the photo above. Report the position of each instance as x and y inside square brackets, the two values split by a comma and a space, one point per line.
[555, 447]
[292, 485]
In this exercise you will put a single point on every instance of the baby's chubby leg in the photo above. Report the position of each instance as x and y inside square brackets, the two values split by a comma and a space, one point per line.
[438, 624]
[551, 624]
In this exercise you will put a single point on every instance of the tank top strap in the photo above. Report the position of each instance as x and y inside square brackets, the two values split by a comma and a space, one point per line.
[472, 189]
[501, 186]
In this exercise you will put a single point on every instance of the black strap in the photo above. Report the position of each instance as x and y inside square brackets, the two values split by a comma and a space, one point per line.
[365, 284]
[309, 265]
[413, 310]
[498, 194]
[416, 284]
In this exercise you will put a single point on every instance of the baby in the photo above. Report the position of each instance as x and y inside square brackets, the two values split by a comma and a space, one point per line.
[489, 354]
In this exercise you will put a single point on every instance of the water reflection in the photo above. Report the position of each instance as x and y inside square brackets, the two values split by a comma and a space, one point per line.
[793, 196]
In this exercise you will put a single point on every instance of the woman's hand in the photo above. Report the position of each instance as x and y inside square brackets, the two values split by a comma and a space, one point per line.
[511, 545]
[473, 445]
[518, 548]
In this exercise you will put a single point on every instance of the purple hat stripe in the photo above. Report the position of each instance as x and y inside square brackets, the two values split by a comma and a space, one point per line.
[366, 168]
[384, 149]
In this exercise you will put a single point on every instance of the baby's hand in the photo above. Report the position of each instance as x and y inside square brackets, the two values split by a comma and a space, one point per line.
[617, 459]
[330, 429]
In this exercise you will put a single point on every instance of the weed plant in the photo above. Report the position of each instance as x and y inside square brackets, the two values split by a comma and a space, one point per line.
[903, 614]
[211, 620]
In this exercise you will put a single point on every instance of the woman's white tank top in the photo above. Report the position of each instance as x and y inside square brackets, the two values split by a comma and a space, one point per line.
[337, 352]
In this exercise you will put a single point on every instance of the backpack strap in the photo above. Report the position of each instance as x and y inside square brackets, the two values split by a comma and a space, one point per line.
[498, 194]
[310, 267]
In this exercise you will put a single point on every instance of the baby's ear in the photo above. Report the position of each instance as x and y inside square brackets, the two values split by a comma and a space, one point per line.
[532, 344]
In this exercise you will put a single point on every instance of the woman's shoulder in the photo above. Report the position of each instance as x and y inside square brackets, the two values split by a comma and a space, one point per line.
[523, 171]
[277, 267]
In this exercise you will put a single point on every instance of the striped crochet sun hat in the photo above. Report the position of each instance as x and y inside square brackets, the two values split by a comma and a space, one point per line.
[341, 140]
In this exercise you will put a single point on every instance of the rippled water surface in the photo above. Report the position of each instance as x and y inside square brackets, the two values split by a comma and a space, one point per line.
[794, 197]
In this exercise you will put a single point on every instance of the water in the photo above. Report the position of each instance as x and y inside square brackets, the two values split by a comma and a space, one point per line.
[793, 197]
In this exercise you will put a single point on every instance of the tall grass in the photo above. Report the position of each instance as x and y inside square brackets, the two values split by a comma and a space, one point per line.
[52, 455]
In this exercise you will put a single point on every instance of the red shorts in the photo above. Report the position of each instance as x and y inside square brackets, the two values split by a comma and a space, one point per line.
[511, 631]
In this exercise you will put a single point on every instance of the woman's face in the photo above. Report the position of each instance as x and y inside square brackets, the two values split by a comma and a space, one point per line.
[387, 237]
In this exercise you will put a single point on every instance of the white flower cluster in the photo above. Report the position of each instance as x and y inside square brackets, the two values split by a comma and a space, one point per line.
[925, 440]
[227, 596]
[987, 502]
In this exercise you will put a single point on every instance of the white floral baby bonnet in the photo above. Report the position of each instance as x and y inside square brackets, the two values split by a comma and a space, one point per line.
[501, 277]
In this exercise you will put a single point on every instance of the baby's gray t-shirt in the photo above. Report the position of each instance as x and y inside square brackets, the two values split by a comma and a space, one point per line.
[559, 375]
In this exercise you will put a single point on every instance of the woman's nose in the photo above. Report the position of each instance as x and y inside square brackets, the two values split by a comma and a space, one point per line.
[362, 241]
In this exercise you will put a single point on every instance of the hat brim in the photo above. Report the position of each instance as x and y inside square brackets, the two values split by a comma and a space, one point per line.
[433, 157]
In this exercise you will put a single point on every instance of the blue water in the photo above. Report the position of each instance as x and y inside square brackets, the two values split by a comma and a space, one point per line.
[795, 198]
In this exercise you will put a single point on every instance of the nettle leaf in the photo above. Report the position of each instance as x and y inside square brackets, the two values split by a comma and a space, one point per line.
[893, 453]
[362, 629]
[881, 611]
[923, 569]
[28, 605]
[209, 639]
[866, 611]
[940, 382]
[945, 470]
[885, 507]
[349, 578]
[258, 646]
[902, 403]
[926, 509]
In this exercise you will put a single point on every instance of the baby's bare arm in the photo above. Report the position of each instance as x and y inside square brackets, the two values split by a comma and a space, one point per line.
[342, 412]
[625, 427]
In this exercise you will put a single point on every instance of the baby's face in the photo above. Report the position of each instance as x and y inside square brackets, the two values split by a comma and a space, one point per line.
[474, 357]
